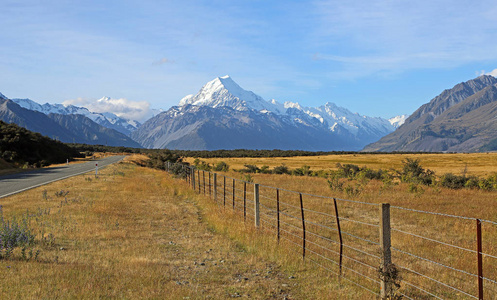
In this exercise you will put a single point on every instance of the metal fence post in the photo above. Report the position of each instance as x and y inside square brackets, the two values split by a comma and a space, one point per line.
[339, 233]
[256, 206]
[303, 226]
[233, 193]
[385, 247]
[278, 212]
[480, 259]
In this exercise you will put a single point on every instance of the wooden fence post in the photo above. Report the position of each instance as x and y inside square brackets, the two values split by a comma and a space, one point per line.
[244, 201]
[224, 190]
[193, 178]
[199, 181]
[385, 248]
[215, 187]
[203, 175]
[233, 193]
[256, 206]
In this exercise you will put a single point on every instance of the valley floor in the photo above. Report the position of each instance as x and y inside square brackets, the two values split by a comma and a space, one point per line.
[132, 233]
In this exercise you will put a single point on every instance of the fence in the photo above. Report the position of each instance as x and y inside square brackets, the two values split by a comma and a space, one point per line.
[359, 241]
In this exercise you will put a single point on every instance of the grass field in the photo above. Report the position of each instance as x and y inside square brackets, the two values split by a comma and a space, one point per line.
[139, 233]
[478, 164]
[440, 233]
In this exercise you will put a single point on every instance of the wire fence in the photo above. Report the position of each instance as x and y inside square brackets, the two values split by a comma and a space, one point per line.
[438, 255]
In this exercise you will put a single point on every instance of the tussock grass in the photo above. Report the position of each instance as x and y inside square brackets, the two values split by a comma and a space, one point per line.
[478, 164]
[459, 232]
[139, 233]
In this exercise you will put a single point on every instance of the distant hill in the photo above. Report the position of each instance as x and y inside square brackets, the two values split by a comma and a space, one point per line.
[20, 146]
[460, 119]
[108, 120]
[222, 115]
[66, 128]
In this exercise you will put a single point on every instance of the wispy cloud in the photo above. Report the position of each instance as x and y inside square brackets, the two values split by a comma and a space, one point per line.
[400, 36]
[127, 109]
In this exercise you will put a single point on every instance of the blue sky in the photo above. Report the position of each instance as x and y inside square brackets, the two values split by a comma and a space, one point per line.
[378, 58]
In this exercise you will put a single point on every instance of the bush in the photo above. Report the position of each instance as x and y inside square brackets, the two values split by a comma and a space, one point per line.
[14, 234]
[250, 169]
[412, 172]
[265, 170]
[281, 170]
[221, 167]
[452, 181]
[303, 171]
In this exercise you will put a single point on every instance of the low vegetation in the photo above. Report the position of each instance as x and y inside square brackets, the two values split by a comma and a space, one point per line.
[24, 148]
[136, 233]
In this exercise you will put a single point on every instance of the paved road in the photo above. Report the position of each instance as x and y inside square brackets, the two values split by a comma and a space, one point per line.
[15, 183]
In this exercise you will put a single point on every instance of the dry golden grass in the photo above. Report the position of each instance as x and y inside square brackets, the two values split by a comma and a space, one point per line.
[478, 164]
[138, 233]
[454, 231]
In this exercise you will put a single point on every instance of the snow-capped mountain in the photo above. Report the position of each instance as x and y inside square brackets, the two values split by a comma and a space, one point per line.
[68, 128]
[108, 120]
[222, 110]
[223, 91]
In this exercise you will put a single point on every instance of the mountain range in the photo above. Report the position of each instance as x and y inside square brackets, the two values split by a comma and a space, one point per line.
[67, 128]
[222, 115]
[460, 119]
[108, 120]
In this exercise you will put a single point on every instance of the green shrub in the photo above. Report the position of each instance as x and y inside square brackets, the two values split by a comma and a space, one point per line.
[412, 172]
[452, 181]
[302, 171]
[221, 167]
[265, 170]
[281, 170]
[250, 169]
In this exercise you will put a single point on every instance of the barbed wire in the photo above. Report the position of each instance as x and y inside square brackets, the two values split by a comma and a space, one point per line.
[432, 240]
[351, 281]
[343, 255]
[416, 287]
[439, 282]
[434, 262]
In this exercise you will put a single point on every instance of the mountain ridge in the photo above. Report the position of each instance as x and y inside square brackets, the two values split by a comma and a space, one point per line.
[443, 124]
[342, 129]
[108, 120]
[65, 128]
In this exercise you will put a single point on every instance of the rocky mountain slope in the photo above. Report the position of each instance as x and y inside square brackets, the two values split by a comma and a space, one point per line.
[458, 120]
[108, 120]
[222, 115]
[66, 128]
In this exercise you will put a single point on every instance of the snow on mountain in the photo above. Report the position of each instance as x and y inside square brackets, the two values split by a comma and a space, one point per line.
[108, 120]
[398, 120]
[2, 96]
[223, 91]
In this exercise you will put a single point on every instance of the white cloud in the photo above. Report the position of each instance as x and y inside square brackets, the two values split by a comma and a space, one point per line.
[493, 73]
[124, 108]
